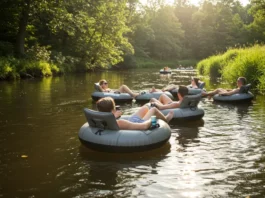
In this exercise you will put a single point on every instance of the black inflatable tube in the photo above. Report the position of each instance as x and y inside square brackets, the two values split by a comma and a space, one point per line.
[121, 149]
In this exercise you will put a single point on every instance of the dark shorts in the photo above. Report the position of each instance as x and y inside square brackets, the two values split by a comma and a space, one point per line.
[136, 119]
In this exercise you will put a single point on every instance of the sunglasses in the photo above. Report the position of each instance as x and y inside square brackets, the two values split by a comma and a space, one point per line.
[105, 83]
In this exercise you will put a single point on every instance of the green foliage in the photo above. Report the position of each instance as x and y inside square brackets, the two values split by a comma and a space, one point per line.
[12, 68]
[247, 62]
[30, 68]
[89, 35]
[94, 30]
[7, 69]
[37, 52]
[168, 34]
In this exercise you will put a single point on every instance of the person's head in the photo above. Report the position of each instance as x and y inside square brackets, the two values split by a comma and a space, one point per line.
[106, 104]
[195, 81]
[103, 83]
[241, 81]
[183, 91]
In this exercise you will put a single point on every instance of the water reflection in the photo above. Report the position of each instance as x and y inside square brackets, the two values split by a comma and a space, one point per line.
[240, 108]
[221, 155]
[112, 174]
[187, 135]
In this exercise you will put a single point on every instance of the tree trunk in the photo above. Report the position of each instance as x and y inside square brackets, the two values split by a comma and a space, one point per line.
[23, 21]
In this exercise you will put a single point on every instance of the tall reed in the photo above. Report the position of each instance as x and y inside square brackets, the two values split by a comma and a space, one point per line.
[248, 62]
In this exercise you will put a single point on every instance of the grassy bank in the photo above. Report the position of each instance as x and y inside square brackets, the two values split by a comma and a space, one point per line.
[12, 68]
[147, 63]
[248, 62]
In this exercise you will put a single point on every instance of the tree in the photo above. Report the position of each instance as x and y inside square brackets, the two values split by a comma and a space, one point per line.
[168, 34]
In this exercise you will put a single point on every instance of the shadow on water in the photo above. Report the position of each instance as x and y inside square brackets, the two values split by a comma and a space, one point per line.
[187, 135]
[186, 123]
[241, 108]
[115, 174]
[158, 153]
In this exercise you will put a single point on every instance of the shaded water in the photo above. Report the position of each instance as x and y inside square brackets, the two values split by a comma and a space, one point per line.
[219, 156]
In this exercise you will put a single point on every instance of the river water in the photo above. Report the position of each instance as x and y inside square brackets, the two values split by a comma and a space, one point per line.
[41, 155]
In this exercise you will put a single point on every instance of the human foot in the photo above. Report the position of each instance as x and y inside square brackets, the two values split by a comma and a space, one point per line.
[169, 116]
[152, 90]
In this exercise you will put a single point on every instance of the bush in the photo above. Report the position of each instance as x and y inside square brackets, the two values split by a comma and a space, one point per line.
[247, 62]
[39, 53]
[8, 68]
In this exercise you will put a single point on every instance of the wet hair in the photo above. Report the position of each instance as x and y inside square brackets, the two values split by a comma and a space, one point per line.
[196, 80]
[102, 81]
[183, 90]
[243, 80]
[106, 104]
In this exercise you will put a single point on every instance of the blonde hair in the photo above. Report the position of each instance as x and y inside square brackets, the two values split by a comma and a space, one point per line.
[102, 81]
[106, 104]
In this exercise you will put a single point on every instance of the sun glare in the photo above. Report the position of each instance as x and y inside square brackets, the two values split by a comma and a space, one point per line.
[195, 2]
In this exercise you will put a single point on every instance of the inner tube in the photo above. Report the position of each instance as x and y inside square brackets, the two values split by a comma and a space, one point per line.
[239, 97]
[188, 109]
[101, 132]
[118, 97]
[244, 95]
[192, 91]
[146, 96]
[165, 71]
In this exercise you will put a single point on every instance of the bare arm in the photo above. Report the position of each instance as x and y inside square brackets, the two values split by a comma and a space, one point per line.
[127, 125]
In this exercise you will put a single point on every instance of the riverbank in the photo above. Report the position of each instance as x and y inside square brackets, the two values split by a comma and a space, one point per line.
[12, 68]
[248, 62]
[148, 62]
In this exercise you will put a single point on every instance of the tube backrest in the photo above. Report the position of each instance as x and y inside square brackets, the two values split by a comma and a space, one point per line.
[244, 88]
[201, 85]
[97, 87]
[102, 120]
[190, 101]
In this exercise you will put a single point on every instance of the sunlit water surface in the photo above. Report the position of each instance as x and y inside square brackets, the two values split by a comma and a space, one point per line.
[41, 156]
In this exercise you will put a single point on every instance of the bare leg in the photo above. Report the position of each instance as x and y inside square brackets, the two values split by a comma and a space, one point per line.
[126, 89]
[164, 99]
[212, 93]
[158, 114]
[142, 111]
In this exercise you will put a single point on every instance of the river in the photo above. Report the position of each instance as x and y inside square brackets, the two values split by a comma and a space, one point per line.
[41, 155]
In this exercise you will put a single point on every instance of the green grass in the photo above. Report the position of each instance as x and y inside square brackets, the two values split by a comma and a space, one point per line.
[248, 62]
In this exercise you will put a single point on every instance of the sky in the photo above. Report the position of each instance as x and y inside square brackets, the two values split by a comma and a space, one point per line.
[196, 2]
